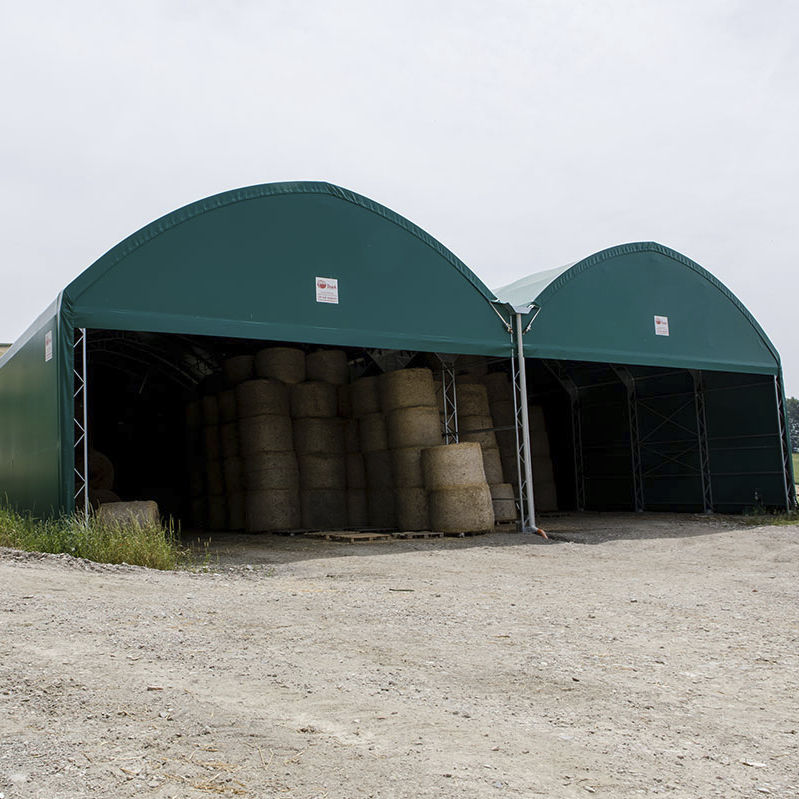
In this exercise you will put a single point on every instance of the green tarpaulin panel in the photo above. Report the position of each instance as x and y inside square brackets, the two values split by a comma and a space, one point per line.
[606, 308]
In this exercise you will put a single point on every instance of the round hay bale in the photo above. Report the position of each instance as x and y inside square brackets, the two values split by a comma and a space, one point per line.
[380, 504]
[467, 379]
[261, 397]
[319, 435]
[506, 440]
[474, 365]
[345, 401]
[356, 471]
[472, 399]
[100, 496]
[101, 470]
[357, 508]
[501, 491]
[352, 439]
[492, 465]
[238, 369]
[271, 470]
[510, 469]
[418, 426]
[365, 397]
[537, 420]
[235, 510]
[268, 433]
[276, 509]
[503, 413]
[226, 400]
[406, 388]
[217, 512]
[473, 428]
[233, 474]
[542, 470]
[313, 399]
[329, 366]
[466, 509]
[229, 439]
[379, 474]
[505, 510]
[498, 387]
[210, 409]
[211, 445]
[406, 465]
[286, 364]
[453, 465]
[214, 478]
[142, 514]
[194, 415]
[539, 445]
[411, 508]
[373, 433]
[323, 508]
[318, 470]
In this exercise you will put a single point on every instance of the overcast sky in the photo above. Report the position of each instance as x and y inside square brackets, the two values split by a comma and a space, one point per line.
[523, 135]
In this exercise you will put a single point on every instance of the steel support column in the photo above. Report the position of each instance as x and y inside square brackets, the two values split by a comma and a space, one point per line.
[81, 415]
[449, 398]
[785, 446]
[523, 450]
[635, 440]
[701, 435]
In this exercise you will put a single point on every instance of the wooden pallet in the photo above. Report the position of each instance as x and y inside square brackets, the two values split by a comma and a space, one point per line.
[417, 534]
[507, 527]
[465, 535]
[349, 537]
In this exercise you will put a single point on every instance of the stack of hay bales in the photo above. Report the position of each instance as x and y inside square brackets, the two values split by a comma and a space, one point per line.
[216, 499]
[269, 464]
[319, 442]
[458, 494]
[286, 364]
[231, 458]
[408, 400]
[373, 438]
[500, 401]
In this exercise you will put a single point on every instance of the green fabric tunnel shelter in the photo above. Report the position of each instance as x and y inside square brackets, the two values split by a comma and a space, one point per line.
[641, 420]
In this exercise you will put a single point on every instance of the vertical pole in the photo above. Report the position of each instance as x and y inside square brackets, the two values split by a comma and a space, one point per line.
[577, 445]
[701, 433]
[635, 441]
[85, 430]
[785, 454]
[528, 524]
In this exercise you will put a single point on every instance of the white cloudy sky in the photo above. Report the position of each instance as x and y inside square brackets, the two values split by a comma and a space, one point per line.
[522, 134]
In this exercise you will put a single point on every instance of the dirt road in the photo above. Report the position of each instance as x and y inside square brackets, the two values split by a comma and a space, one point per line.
[662, 659]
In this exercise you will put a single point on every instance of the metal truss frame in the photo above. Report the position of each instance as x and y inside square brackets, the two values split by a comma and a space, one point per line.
[80, 399]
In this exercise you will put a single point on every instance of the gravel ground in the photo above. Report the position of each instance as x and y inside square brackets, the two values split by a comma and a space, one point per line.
[633, 656]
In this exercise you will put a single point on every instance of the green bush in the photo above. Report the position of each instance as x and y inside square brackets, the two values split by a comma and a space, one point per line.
[153, 546]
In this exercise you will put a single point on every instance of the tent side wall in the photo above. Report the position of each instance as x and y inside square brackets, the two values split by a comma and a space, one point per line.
[31, 419]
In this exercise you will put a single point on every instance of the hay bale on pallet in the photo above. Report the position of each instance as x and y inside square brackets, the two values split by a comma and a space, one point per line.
[406, 388]
[267, 433]
[365, 397]
[323, 507]
[286, 364]
[268, 471]
[274, 509]
[330, 366]
[461, 509]
[262, 397]
[418, 426]
[357, 508]
[238, 369]
[314, 399]
[356, 470]
[381, 507]
[412, 508]
[319, 435]
[142, 513]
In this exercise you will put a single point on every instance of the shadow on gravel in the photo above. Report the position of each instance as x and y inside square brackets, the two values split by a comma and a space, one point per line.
[239, 549]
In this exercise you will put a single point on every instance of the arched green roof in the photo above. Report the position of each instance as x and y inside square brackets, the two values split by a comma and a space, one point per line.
[603, 309]
[244, 264]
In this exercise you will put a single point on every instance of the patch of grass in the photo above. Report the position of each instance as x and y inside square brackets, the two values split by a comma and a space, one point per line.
[759, 518]
[153, 546]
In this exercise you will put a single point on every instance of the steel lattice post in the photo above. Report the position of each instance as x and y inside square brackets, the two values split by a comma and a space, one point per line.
[635, 439]
[785, 446]
[702, 441]
[81, 423]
